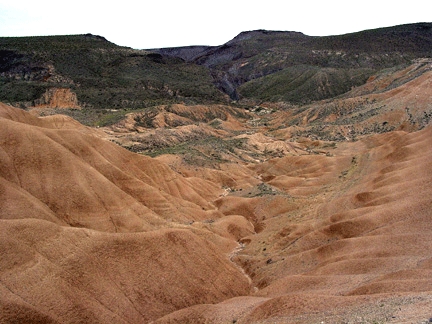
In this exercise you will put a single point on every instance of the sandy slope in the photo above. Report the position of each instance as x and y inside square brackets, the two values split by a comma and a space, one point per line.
[394, 99]
[64, 191]
[357, 250]
[79, 275]
[87, 181]
[90, 232]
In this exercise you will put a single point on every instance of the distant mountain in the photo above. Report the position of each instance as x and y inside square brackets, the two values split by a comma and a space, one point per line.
[89, 72]
[301, 64]
[100, 73]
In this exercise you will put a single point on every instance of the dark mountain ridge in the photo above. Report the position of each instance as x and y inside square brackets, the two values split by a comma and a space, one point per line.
[102, 74]
[255, 54]
[255, 66]
[413, 39]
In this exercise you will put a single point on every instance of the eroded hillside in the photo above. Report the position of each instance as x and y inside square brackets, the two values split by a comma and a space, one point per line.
[185, 211]
[221, 214]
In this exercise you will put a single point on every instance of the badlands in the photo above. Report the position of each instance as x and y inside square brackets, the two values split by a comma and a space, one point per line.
[309, 231]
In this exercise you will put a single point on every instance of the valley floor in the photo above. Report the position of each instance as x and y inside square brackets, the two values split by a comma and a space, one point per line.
[266, 230]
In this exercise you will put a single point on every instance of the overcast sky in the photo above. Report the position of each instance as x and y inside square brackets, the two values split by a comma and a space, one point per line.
[158, 23]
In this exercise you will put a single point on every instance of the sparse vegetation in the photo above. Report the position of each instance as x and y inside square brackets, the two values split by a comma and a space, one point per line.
[102, 74]
[303, 84]
[257, 65]
[199, 151]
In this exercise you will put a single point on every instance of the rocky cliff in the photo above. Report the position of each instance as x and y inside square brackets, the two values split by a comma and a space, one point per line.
[58, 98]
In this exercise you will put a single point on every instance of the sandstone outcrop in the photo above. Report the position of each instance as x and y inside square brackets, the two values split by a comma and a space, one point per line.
[58, 98]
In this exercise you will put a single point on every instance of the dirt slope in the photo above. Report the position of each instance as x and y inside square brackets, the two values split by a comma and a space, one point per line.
[393, 99]
[91, 232]
[74, 275]
[352, 245]
[65, 191]
[90, 182]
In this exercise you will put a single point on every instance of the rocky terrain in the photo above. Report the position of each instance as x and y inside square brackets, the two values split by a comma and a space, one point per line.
[191, 210]
[254, 67]
[274, 65]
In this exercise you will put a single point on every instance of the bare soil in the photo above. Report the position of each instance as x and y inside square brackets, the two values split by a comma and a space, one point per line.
[277, 226]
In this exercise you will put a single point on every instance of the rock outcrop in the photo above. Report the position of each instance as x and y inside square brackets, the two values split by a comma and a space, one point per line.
[58, 98]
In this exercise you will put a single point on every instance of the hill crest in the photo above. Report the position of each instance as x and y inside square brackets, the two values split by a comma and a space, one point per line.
[202, 74]
[307, 199]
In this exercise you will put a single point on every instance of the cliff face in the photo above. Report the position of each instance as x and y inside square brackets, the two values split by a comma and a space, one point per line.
[58, 98]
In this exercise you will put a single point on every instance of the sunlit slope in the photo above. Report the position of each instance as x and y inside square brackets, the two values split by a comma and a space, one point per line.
[344, 235]
[69, 275]
[65, 196]
[69, 173]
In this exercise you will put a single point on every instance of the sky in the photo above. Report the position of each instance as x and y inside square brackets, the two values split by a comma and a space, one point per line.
[168, 23]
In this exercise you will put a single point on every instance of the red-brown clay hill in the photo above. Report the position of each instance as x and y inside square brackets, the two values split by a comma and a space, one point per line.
[394, 99]
[90, 232]
[353, 244]
[86, 181]
[65, 196]
[68, 275]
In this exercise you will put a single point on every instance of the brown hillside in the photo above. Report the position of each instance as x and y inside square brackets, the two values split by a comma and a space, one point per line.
[350, 245]
[269, 231]
[64, 191]
[275, 208]
[71, 275]
[394, 99]
[87, 181]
